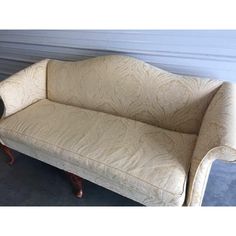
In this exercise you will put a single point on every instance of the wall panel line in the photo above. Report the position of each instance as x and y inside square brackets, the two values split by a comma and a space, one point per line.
[207, 53]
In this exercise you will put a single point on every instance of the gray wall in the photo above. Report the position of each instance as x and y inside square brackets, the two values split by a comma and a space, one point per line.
[203, 53]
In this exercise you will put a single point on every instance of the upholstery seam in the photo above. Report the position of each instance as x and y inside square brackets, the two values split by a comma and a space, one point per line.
[107, 179]
[177, 195]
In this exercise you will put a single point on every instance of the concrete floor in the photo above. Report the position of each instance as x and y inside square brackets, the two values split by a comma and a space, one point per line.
[32, 183]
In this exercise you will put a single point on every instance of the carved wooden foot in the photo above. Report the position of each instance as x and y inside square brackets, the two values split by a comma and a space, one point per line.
[77, 183]
[8, 152]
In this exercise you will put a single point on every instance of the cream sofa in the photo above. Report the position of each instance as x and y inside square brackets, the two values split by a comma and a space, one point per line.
[140, 131]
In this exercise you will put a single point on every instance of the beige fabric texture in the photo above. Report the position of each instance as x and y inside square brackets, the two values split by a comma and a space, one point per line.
[131, 88]
[24, 88]
[52, 159]
[138, 133]
[133, 155]
[217, 129]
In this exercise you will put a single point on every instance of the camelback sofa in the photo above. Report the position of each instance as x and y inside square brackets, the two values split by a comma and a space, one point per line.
[140, 131]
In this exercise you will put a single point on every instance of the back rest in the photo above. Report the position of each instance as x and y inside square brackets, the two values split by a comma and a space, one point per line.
[128, 87]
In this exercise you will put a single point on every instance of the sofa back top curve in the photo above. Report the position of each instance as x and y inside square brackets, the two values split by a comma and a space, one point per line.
[131, 88]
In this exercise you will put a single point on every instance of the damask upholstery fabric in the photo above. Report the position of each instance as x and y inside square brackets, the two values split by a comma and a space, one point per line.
[52, 159]
[123, 124]
[24, 88]
[143, 162]
[131, 88]
[217, 130]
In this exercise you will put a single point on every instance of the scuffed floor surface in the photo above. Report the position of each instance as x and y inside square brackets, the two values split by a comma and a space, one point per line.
[32, 183]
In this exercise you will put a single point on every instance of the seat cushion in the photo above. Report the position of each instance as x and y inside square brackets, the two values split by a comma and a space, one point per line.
[152, 161]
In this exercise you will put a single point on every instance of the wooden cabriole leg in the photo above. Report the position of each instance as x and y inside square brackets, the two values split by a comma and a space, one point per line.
[77, 183]
[9, 153]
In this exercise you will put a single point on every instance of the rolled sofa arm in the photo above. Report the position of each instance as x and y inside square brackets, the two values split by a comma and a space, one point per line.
[216, 140]
[24, 88]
